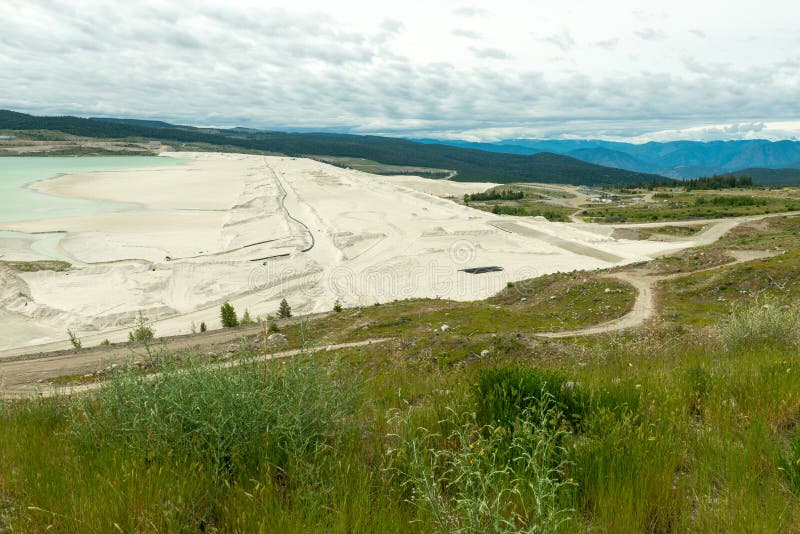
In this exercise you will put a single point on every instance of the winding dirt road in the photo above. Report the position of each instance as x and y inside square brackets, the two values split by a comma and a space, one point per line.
[644, 307]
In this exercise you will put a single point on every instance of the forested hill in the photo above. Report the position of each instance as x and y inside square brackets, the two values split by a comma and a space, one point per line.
[470, 164]
[770, 176]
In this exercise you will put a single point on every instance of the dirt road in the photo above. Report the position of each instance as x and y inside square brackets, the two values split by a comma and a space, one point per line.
[30, 377]
[644, 307]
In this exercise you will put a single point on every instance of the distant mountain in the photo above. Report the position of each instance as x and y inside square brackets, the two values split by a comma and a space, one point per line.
[138, 122]
[677, 159]
[470, 164]
[610, 158]
[770, 176]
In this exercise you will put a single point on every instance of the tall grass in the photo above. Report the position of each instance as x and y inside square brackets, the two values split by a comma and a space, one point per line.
[485, 478]
[764, 322]
[229, 418]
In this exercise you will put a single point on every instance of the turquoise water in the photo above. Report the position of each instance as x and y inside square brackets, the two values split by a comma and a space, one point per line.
[19, 203]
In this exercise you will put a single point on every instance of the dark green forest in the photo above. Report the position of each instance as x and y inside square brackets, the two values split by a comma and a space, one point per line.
[470, 164]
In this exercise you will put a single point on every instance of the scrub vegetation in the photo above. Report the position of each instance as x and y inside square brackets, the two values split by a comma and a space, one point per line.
[679, 206]
[687, 424]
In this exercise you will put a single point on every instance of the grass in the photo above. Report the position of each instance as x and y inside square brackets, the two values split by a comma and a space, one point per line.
[705, 298]
[664, 430]
[672, 428]
[694, 205]
[672, 231]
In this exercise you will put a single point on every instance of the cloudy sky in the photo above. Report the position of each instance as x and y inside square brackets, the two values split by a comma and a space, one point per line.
[615, 69]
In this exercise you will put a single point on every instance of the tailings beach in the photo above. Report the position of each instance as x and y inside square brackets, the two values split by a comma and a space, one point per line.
[255, 229]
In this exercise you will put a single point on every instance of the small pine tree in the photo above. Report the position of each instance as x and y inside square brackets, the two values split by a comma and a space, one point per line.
[273, 328]
[246, 318]
[228, 316]
[284, 310]
[337, 306]
[203, 326]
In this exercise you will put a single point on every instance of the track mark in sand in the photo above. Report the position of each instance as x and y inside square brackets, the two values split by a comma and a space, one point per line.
[280, 184]
[644, 307]
[569, 246]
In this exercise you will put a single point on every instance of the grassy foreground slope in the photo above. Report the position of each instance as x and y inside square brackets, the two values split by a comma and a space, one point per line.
[669, 428]
[470, 165]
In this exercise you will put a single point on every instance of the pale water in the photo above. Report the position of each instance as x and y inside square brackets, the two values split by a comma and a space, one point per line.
[20, 203]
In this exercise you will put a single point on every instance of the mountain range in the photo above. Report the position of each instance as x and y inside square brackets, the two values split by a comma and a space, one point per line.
[676, 159]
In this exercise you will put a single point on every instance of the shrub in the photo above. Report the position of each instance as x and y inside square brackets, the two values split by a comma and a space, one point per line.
[273, 328]
[764, 322]
[228, 316]
[284, 310]
[337, 306]
[225, 417]
[503, 393]
[143, 333]
[203, 327]
[246, 319]
[73, 338]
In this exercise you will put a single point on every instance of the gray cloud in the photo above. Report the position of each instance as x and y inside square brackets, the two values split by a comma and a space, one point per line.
[470, 12]
[650, 34]
[467, 34]
[489, 53]
[562, 40]
[278, 69]
[608, 44]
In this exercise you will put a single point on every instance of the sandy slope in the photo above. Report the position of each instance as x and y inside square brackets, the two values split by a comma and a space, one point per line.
[254, 229]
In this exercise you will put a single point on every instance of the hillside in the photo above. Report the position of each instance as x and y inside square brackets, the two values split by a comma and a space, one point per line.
[676, 159]
[762, 176]
[470, 164]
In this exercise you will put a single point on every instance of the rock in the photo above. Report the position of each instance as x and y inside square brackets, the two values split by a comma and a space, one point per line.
[524, 299]
[553, 297]
[485, 353]
[608, 290]
[277, 339]
[445, 328]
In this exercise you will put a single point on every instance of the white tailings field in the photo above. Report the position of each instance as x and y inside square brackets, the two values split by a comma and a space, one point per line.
[255, 229]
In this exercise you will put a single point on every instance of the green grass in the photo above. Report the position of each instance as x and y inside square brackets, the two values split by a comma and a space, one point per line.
[705, 298]
[696, 205]
[671, 428]
[665, 430]
[674, 231]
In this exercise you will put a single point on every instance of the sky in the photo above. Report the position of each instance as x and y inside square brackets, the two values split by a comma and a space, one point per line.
[480, 71]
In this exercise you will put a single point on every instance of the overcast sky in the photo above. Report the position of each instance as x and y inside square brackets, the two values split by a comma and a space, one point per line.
[697, 69]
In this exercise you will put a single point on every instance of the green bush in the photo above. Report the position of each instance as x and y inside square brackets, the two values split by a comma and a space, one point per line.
[502, 394]
[229, 418]
[484, 478]
[763, 322]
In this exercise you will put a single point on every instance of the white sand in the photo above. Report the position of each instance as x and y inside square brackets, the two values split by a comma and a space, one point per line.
[241, 228]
